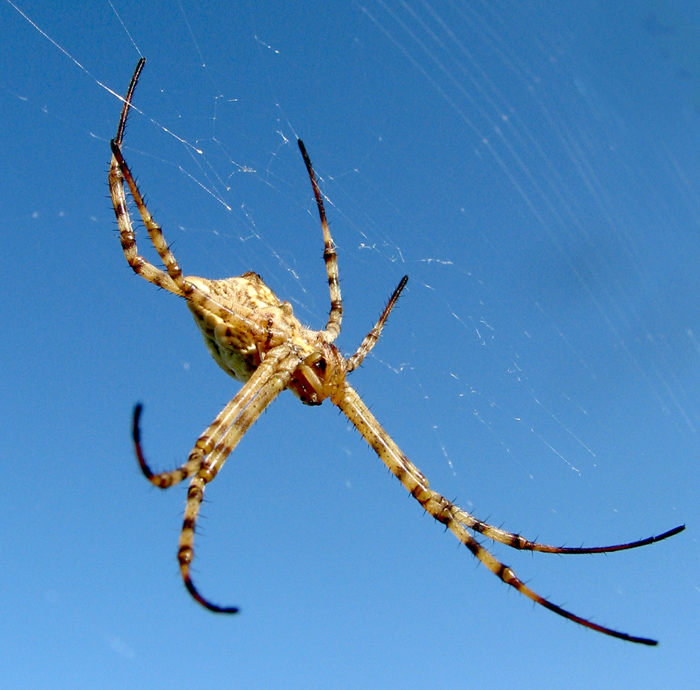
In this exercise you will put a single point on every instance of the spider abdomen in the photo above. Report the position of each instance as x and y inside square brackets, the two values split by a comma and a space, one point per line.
[259, 321]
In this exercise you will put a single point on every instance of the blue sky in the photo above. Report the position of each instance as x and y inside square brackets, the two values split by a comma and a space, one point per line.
[533, 167]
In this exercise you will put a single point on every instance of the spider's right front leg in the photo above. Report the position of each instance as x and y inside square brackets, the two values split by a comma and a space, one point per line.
[519, 542]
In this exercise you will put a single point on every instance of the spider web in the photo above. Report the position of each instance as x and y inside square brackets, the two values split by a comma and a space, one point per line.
[534, 294]
[514, 309]
[536, 184]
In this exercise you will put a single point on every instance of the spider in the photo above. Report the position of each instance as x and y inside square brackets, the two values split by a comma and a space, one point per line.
[255, 338]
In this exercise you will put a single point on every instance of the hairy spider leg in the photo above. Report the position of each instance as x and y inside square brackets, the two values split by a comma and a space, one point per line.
[445, 512]
[172, 281]
[370, 340]
[330, 255]
[275, 374]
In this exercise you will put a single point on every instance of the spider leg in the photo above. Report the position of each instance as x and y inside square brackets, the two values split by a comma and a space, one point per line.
[371, 338]
[127, 101]
[269, 380]
[128, 239]
[163, 480]
[207, 441]
[329, 254]
[172, 280]
[445, 511]
[116, 188]
[519, 542]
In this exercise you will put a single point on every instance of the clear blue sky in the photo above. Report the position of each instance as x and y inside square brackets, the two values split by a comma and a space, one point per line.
[532, 166]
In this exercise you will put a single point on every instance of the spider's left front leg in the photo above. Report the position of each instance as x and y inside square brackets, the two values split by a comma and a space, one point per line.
[445, 511]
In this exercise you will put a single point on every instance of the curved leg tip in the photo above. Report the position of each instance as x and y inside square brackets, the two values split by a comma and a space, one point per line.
[670, 533]
[207, 604]
[136, 434]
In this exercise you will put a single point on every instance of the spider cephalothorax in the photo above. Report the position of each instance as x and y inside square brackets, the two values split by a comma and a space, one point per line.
[271, 324]
[256, 339]
[319, 376]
